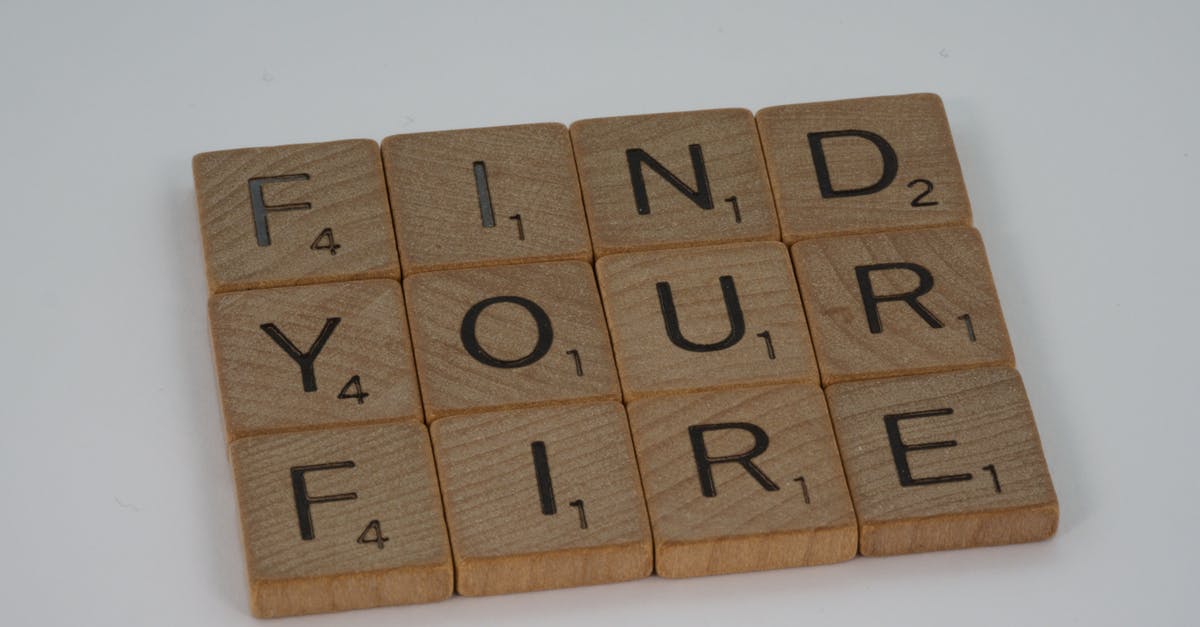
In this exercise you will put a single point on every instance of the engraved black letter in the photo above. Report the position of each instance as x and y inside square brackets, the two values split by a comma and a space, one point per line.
[541, 470]
[486, 214]
[871, 300]
[308, 376]
[900, 449]
[702, 195]
[737, 325]
[260, 208]
[890, 163]
[304, 500]
[471, 343]
[704, 462]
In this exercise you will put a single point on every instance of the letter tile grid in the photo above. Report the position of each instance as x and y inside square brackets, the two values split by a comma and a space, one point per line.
[529, 357]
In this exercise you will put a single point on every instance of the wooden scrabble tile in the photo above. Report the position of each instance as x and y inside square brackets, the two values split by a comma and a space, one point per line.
[503, 337]
[888, 304]
[742, 480]
[943, 461]
[340, 519]
[703, 318]
[542, 498]
[673, 179]
[485, 196]
[291, 215]
[869, 164]
[313, 356]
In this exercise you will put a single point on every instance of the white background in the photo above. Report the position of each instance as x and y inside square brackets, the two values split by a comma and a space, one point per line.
[1076, 126]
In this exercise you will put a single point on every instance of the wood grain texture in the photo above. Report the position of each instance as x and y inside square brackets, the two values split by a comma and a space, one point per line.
[504, 538]
[906, 342]
[733, 166]
[798, 514]
[915, 128]
[455, 382]
[529, 172]
[989, 428]
[345, 565]
[345, 193]
[651, 363]
[263, 388]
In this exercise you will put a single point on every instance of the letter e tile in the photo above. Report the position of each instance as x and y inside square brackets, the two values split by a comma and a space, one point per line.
[943, 461]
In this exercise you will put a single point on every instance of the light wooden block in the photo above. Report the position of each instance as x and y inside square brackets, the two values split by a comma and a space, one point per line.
[696, 319]
[340, 519]
[868, 164]
[542, 498]
[890, 304]
[503, 337]
[313, 356]
[743, 480]
[673, 179]
[291, 215]
[943, 461]
[485, 196]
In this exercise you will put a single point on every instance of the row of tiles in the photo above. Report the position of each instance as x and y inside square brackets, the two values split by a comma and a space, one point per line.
[709, 483]
[661, 322]
[340, 210]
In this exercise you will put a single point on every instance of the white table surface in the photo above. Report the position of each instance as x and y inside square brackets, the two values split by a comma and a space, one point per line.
[1076, 125]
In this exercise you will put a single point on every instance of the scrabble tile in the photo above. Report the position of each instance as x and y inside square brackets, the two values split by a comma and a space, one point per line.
[742, 480]
[542, 498]
[340, 519]
[291, 215]
[869, 164]
[313, 356]
[485, 196]
[673, 179]
[889, 304]
[705, 318]
[509, 336]
[943, 461]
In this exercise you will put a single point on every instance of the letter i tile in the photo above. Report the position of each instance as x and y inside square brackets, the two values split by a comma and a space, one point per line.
[485, 196]
[541, 498]
[341, 518]
[943, 461]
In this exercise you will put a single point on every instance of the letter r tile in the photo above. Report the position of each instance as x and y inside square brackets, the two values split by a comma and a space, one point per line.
[336, 354]
[943, 461]
[862, 165]
[902, 302]
[509, 336]
[341, 518]
[704, 318]
[742, 480]
[292, 215]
